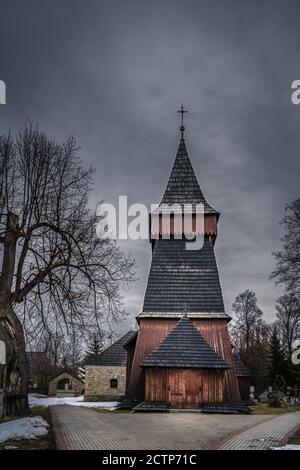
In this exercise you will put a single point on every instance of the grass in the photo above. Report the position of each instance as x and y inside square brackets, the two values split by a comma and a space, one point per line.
[265, 409]
[42, 443]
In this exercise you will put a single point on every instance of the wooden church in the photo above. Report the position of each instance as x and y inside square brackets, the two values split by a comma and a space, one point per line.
[181, 355]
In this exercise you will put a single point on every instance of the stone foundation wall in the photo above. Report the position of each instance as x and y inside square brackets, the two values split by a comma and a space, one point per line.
[98, 383]
[76, 387]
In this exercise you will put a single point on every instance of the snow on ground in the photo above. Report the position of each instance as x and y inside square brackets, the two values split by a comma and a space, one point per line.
[74, 401]
[24, 428]
[287, 447]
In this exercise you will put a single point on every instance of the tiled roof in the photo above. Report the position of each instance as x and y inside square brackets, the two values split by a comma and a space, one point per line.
[240, 369]
[185, 347]
[183, 187]
[183, 280]
[114, 355]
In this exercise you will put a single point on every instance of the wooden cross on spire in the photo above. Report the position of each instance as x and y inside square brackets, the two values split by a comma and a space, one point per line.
[182, 111]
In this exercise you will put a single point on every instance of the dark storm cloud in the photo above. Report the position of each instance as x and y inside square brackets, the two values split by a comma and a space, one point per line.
[114, 73]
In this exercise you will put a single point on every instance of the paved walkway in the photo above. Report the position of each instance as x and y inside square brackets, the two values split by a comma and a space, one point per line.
[82, 428]
[265, 435]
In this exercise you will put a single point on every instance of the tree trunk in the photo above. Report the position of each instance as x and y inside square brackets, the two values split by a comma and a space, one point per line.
[14, 373]
[14, 368]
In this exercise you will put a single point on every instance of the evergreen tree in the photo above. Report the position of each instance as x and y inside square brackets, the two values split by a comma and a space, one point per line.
[95, 346]
[278, 363]
[288, 321]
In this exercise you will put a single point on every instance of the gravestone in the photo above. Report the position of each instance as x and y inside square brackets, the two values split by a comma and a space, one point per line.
[263, 397]
[252, 390]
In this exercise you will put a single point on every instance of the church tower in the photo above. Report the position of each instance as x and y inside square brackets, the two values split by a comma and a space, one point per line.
[183, 311]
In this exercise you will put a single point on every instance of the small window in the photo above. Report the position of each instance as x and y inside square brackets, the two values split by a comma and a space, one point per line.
[113, 383]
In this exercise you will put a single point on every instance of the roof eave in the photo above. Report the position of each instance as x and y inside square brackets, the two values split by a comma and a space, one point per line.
[185, 366]
[191, 315]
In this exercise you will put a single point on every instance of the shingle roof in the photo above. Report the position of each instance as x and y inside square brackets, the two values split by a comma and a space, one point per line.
[240, 369]
[64, 371]
[185, 347]
[183, 187]
[183, 280]
[114, 355]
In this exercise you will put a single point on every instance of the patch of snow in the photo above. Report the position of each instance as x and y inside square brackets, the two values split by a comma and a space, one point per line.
[73, 401]
[24, 428]
[287, 447]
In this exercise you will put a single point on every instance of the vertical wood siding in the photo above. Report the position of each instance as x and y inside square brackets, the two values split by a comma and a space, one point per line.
[174, 225]
[184, 387]
[153, 331]
[244, 387]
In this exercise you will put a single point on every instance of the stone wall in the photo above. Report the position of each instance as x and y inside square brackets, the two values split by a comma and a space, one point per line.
[98, 383]
[76, 387]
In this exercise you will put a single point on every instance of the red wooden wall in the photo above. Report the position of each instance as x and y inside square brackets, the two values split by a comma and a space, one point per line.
[153, 331]
[244, 387]
[184, 387]
[174, 225]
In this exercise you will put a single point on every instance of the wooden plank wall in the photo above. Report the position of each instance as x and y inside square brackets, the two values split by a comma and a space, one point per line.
[153, 331]
[174, 225]
[216, 334]
[184, 387]
[130, 356]
[244, 387]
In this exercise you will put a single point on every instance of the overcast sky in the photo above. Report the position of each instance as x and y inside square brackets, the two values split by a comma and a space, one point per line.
[113, 74]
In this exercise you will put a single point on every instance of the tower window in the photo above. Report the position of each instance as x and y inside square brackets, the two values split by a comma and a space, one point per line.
[114, 383]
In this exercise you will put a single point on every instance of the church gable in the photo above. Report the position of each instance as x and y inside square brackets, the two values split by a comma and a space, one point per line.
[184, 347]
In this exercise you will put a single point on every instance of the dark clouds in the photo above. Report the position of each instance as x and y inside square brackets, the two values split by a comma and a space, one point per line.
[114, 73]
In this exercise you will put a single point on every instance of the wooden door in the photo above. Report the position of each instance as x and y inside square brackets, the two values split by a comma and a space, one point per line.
[194, 389]
[176, 389]
[185, 388]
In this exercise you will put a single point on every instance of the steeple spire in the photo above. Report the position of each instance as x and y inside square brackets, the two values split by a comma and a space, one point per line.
[183, 187]
[182, 111]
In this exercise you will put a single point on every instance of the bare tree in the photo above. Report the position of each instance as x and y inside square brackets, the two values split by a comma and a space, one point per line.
[54, 267]
[73, 354]
[250, 333]
[288, 321]
[51, 343]
[287, 270]
[247, 319]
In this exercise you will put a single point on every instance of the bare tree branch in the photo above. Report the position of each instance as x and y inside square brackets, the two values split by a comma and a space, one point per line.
[56, 273]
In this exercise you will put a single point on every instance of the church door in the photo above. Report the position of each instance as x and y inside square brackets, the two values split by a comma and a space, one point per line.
[185, 388]
[193, 388]
[176, 389]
